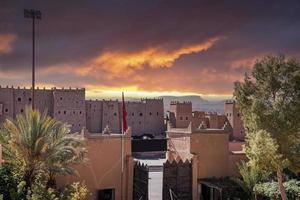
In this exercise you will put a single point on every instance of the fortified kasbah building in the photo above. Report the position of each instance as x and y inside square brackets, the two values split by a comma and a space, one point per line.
[210, 153]
[181, 114]
[69, 105]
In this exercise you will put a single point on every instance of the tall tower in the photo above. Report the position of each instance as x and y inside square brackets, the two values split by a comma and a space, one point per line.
[234, 117]
[182, 113]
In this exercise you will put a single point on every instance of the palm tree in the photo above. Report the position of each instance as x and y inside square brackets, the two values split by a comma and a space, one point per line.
[39, 144]
[250, 176]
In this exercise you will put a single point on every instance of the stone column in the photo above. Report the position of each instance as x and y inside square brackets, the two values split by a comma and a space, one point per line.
[129, 177]
[195, 177]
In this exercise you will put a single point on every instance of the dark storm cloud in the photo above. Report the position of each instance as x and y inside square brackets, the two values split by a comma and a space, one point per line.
[73, 33]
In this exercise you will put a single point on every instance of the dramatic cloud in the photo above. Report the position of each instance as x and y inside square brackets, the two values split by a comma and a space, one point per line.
[145, 47]
[5, 42]
[125, 63]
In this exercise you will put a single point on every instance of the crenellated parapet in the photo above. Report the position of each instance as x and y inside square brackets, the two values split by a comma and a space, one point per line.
[180, 103]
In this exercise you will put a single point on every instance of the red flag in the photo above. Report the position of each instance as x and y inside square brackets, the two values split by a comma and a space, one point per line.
[124, 114]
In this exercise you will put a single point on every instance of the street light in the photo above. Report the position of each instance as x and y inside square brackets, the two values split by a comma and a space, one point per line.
[33, 14]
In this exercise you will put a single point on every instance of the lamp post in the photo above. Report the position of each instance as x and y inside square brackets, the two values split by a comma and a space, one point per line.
[33, 14]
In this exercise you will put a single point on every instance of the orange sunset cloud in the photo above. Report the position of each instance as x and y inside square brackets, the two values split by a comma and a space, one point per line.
[5, 42]
[115, 62]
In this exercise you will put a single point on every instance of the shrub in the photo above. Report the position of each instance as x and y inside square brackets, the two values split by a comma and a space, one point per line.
[270, 189]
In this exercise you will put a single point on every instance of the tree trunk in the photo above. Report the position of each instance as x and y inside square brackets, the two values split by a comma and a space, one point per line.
[280, 184]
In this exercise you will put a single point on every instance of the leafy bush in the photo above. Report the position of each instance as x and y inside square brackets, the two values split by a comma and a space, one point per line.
[10, 182]
[270, 189]
[76, 191]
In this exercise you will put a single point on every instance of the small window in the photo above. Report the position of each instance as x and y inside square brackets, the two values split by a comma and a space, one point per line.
[238, 114]
[80, 112]
[78, 124]
[106, 194]
[115, 114]
[141, 114]
[74, 112]
[140, 123]
[132, 114]
[65, 112]
[6, 110]
[187, 118]
[60, 98]
[29, 99]
[19, 99]
[181, 118]
[150, 113]
[22, 110]
[59, 112]
[157, 113]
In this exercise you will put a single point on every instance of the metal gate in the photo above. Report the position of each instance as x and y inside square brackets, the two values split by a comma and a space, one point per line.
[177, 180]
[140, 181]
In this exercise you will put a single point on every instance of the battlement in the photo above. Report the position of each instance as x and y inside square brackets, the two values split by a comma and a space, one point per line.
[229, 101]
[151, 99]
[67, 89]
[180, 103]
[44, 88]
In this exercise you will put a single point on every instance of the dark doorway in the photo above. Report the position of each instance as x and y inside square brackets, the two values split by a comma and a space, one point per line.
[106, 194]
[140, 145]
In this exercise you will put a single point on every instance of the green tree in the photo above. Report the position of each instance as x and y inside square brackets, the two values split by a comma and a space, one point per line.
[250, 176]
[37, 144]
[269, 100]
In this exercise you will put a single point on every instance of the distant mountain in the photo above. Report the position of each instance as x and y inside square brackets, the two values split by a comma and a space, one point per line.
[198, 103]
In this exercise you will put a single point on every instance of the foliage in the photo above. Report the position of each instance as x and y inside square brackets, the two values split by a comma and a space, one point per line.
[39, 191]
[262, 151]
[39, 144]
[270, 189]
[10, 181]
[269, 101]
[12, 187]
[250, 176]
[76, 191]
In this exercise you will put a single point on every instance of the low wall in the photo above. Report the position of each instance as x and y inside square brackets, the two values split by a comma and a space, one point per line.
[236, 145]
[235, 158]
[103, 169]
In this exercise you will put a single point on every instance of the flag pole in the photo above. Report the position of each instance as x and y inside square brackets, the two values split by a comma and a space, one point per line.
[124, 128]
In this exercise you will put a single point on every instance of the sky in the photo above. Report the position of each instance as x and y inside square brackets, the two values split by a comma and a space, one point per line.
[145, 48]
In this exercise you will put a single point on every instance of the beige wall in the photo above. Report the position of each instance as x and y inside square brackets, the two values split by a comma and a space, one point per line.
[235, 119]
[94, 110]
[136, 114]
[66, 105]
[7, 102]
[69, 107]
[154, 116]
[235, 158]
[179, 146]
[236, 146]
[103, 171]
[212, 153]
[111, 116]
